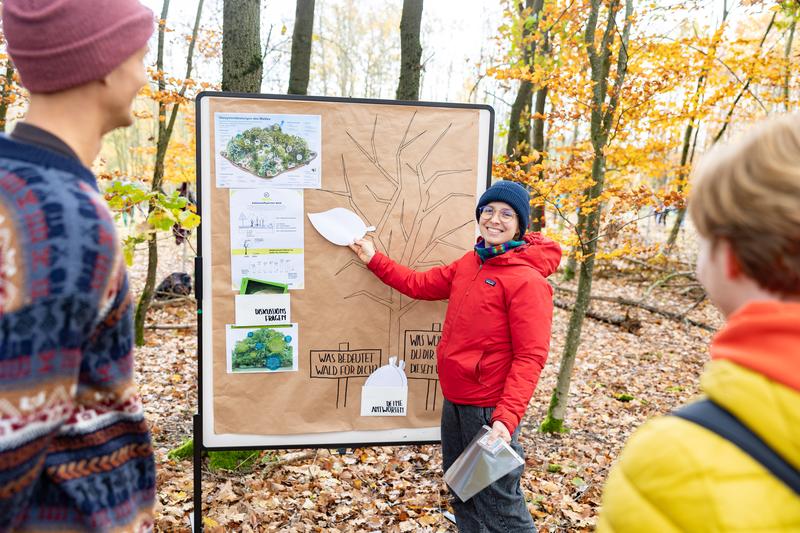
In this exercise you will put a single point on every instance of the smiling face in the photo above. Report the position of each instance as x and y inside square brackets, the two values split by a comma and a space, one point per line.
[498, 223]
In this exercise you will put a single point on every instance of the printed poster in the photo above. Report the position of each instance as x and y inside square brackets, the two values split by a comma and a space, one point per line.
[261, 349]
[268, 150]
[267, 236]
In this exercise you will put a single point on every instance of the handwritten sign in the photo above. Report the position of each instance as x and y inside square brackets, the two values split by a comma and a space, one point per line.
[336, 364]
[384, 401]
[262, 309]
[420, 353]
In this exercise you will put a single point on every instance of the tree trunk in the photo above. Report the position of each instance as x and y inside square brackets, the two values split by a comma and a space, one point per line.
[572, 263]
[537, 209]
[165, 128]
[537, 139]
[519, 121]
[681, 214]
[322, 74]
[242, 61]
[8, 84]
[571, 267]
[410, 50]
[301, 47]
[787, 54]
[602, 118]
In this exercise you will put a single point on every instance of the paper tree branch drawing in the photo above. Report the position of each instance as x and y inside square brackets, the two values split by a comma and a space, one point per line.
[267, 152]
[405, 192]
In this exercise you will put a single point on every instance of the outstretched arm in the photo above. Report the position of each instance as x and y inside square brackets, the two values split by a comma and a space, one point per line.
[433, 284]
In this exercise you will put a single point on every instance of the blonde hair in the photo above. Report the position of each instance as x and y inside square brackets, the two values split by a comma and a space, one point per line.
[748, 193]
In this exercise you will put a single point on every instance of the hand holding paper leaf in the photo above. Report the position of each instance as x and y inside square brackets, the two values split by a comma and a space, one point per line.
[339, 225]
[364, 249]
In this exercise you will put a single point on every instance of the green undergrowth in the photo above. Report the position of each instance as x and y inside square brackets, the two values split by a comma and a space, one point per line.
[229, 460]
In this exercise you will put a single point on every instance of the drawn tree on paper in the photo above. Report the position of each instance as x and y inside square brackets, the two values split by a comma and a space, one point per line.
[425, 212]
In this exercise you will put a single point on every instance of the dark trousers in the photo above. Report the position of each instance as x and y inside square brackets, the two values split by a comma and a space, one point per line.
[500, 506]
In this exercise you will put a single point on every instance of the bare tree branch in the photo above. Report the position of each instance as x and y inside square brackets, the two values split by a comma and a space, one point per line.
[440, 173]
[408, 306]
[405, 145]
[430, 150]
[378, 198]
[438, 240]
[382, 301]
[402, 225]
[356, 262]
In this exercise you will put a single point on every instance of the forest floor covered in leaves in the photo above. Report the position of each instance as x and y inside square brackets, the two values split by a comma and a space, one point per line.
[620, 379]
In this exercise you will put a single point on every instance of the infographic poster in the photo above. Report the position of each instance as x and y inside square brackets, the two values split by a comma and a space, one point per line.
[267, 236]
[272, 150]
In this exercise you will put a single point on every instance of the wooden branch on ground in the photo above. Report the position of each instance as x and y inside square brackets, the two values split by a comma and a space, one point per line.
[631, 325]
[689, 274]
[679, 317]
[171, 326]
[172, 301]
[657, 268]
[287, 459]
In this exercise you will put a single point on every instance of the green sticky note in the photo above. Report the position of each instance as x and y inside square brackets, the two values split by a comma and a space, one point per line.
[260, 286]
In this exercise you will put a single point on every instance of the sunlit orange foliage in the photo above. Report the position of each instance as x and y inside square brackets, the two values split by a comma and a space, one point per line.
[699, 74]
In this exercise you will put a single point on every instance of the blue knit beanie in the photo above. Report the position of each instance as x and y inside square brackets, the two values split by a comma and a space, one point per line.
[511, 193]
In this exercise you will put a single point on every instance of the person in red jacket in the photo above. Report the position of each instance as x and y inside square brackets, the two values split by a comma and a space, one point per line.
[495, 340]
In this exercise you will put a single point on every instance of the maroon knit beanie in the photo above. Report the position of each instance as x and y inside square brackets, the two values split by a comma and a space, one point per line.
[59, 44]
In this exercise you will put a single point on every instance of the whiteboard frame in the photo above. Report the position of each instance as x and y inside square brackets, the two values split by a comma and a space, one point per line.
[209, 440]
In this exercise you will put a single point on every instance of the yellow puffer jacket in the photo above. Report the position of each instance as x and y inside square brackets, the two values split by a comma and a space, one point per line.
[676, 476]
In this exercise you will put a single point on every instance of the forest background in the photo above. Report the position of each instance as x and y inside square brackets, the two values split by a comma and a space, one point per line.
[602, 108]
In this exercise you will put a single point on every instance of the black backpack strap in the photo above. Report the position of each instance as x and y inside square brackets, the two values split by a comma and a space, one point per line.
[711, 416]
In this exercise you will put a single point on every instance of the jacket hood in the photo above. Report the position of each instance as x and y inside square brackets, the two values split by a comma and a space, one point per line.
[538, 252]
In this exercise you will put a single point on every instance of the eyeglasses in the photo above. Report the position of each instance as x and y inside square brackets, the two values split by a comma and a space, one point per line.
[505, 215]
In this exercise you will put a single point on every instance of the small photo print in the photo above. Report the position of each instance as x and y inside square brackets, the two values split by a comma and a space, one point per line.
[261, 348]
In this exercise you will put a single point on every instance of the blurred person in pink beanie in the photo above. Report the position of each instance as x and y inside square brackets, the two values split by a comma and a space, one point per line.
[75, 450]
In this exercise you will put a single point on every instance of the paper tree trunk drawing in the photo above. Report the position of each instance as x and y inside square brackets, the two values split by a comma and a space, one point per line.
[407, 188]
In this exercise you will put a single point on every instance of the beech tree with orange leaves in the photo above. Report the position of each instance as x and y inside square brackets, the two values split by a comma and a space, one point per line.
[607, 87]
[678, 96]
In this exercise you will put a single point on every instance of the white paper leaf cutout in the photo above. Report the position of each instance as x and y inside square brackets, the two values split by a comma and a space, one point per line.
[391, 375]
[339, 225]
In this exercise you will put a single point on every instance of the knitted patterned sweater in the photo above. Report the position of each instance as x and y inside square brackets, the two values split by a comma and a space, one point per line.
[75, 451]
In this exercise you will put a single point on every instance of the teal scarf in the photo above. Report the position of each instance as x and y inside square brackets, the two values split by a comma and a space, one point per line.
[493, 251]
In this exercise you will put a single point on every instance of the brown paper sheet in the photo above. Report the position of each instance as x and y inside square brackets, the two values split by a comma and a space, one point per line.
[411, 172]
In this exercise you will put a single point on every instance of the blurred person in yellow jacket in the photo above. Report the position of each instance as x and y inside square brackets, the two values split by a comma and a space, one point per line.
[674, 474]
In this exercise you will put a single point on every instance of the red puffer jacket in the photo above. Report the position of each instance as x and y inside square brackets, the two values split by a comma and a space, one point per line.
[496, 333]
